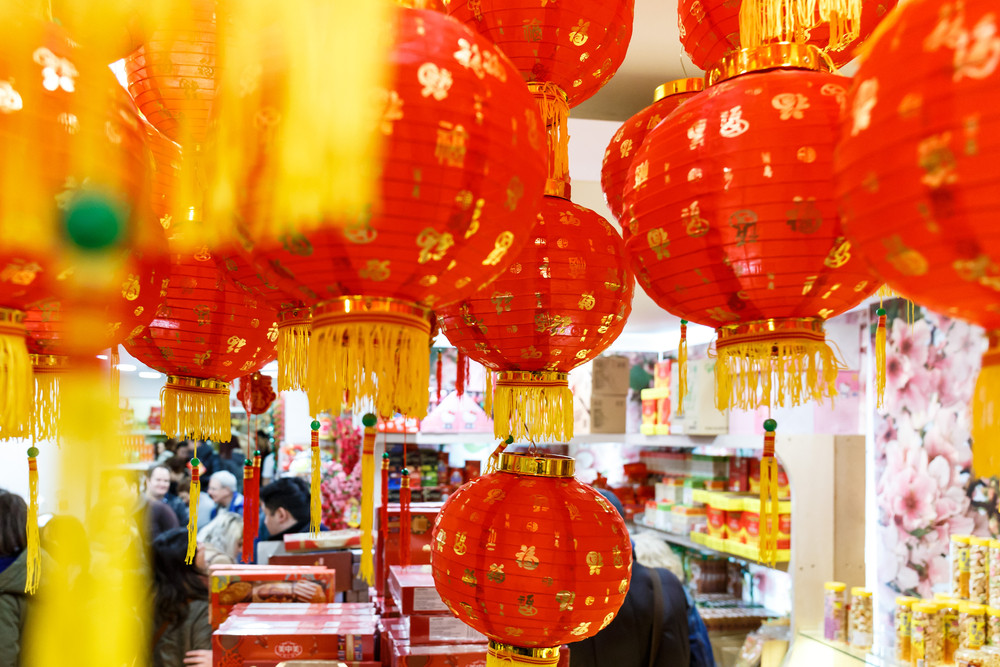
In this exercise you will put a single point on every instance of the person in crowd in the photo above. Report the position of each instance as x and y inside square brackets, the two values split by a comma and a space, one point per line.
[655, 626]
[184, 450]
[231, 459]
[208, 458]
[158, 490]
[182, 634]
[165, 450]
[269, 454]
[206, 556]
[286, 507]
[65, 540]
[222, 490]
[13, 576]
[225, 533]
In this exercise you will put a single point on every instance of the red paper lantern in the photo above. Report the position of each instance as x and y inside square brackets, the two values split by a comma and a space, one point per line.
[463, 171]
[531, 558]
[71, 144]
[710, 30]
[564, 299]
[166, 176]
[735, 225]
[577, 46]
[918, 177]
[206, 333]
[629, 137]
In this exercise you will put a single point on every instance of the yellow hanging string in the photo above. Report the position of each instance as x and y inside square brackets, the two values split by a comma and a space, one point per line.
[763, 21]
[116, 377]
[880, 359]
[366, 570]
[293, 354]
[34, 556]
[493, 464]
[986, 412]
[538, 406]
[45, 408]
[768, 529]
[488, 396]
[682, 368]
[315, 493]
[194, 496]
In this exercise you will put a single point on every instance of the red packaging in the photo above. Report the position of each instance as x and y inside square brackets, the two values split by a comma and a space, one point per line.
[739, 474]
[751, 528]
[422, 516]
[403, 654]
[754, 476]
[716, 522]
[309, 639]
[338, 663]
[329, 539]
[413, 591]
[661, 374]
[784, 490]
[292, 610]
[734, 525]
[341, 561]
[437, 629]
[265, 584]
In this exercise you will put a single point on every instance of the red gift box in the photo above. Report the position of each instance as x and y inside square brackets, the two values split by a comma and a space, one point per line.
[297, 609]
[436, 629]
[422, 516]
[341, 561]
[401, 653]
[328, 539]
[311, 638]
[264, 584]
[413, 591]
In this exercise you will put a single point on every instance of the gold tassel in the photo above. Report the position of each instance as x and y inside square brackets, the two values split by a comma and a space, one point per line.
[34, 556]
[552, 104]
[506, 655]
[533, 406]
[315, 493]
[366, 570]
[48, 370]
[787, 361]
[293, 352]
[115, 375]
[986, 412]
[370, 348]
[682, 367]
[880, 361]
[193, 499]
[488, 396]
[196, 408]
[763, 21]
[769, 497]
[15, 375]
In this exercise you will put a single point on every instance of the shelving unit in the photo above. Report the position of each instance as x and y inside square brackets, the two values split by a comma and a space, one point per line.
[703, 547]
[635, 439]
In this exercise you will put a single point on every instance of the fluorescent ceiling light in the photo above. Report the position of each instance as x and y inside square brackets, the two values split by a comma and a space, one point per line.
[102, 357]
[149, 375]
[126, 368]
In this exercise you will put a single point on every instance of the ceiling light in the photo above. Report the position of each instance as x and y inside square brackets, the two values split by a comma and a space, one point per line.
[126, 368]
[102, 357]
[149, 375]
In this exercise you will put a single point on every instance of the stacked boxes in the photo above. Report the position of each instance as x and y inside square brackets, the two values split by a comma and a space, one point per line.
[600, 396]
[237, 584]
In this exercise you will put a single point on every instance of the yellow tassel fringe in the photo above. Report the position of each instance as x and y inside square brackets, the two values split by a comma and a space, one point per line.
[315, 495]
[196, 414]
[193, 500]
[34, 556]
[880, 362]
[535, 413]
[16, 386]
[45, 407]
[682, 369]
[502, 655]
[986, 414]
[768, 528]
[386, 363]
[763, 21]
[488, 396]
[780, 373]
[293, 356]
[552, 104]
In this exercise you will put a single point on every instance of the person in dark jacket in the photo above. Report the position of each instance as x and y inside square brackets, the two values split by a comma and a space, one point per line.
[182, 634]
[13, 576]
[286, 507]
[158, 489]
[650, 629]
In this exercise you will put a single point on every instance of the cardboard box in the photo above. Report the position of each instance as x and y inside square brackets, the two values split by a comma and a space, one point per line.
[413, 591]
[341, 561]
[299, 609]
[265, 584]
[610, 376]
[608, 413]
[326, 540]
[426, 629]
[293, 641]
[700, 416]
[422, 517]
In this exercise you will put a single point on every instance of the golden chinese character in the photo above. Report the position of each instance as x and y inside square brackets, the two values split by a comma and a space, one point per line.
[744, 223]
[375, 270]
[587, 301]
[496, 574]
[937, 159]
[864, 102]
[526, 605]
[433, 245]
[202, 358]
[578, 35]
[696, 134]
[658, 241]
[235, 344]
[532, 30]
[641, 173]
[469, 578]
[840, 254]
[502, 301]
[500, 247]
[732, 123]
[450, 147]
[565, 600]
[695, 225]
[526, 558]
[595, 561]
[804, 216]
[790, 105]
[392, 109]
[10, 99]
[459, 546]
[19, 272]
[581, 630]
[436, 81]
[203, 313]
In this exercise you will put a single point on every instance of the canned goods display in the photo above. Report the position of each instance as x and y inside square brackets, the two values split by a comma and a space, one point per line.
[973, 625]
[979, 573]
[861, 618]
[926, 635]
[994, 569]
[993, 626]
[834, 611]
[904, 616]
[960, 566]
[948, 612]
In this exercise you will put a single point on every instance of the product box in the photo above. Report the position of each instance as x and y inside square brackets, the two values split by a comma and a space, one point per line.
[341, 561]
[608, 413]
[661, 374]
[699, 416]
[655, 411]
[328, 539]
[267, 584]
[600, 395]
[313, 639]
[750, 523]
[292, 610]
[611, 375]
[432, 629]
[784, 490]
[739, 474]
[413, 592]
[422, 517]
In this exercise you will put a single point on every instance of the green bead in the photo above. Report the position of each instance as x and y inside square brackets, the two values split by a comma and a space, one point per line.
[256, 452]
[509, 440]
[315, 425]
[880, 312]
[247, 462]
[195, 462]
[404, 472]
[32, 452]
[94, 221]
[369, 420]
[385, 456]
[770, 425]
[684, 321]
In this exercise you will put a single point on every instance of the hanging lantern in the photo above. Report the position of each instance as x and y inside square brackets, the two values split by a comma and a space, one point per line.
[560, 304]
[166, 177]
[735, 224]
[74, 165]
[917, 174]
[577, 46]
[531, 558]
[710, 29]
[455, 206]
[205, 335]
[629, 137]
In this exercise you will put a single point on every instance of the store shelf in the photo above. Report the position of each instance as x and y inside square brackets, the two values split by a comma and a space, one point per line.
[634, 439]
[744, 554]
[811, 648]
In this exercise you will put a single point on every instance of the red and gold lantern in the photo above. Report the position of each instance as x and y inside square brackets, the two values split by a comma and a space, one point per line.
[629, 137]
[462, 174]
[206, 333]
[564, 299]
[735, 224]
[577, 46]
[531, 558]
[917, 175]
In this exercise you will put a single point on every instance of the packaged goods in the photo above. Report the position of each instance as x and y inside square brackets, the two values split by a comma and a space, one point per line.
[341, 561]
[834, 611]
[684, 520]
[690, 486]
[926, 635]
[960, 566]
[993, 626]
[904, 615]
[655, 411]
[716, 517]
[979, 573]
[412, 589]
[248, 641]
[861, 618]
[662, 517]
[330, 539]
[230, 587]
[973, 619]
[661, 375]
[739, 474]
[994, 568]
[750, 519]
[949, 613]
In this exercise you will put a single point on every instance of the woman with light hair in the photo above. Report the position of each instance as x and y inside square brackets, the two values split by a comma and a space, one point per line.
[224, 533]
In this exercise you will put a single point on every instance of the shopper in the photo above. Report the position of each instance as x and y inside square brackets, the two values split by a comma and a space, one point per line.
[225, 533]
[158, 490]
[231, 459]
[13, 576]
[182, 635]
[222, 490]
[652, 627]
[286, 507]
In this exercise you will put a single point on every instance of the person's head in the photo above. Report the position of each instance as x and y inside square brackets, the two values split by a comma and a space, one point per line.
[13, 519]
[174, 580]
[612, 499]
[205, 455]
[183, 451]
[178, 468]
[65, 540]
[207, 555]
[225, 533]
[157, 481]
[228, 450]
[184, 490]
[222, 488]
[286, 503]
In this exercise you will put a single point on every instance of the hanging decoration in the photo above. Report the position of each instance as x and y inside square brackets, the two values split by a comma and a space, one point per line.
[577, 46]
[33, 548]
[629, 137]
[531, 558]
[383, 529]
[315, 495]
[736, 225]
[371, 280]
[206, 334]
[917, 177]
[366, 569]
[405, 496]
[710, 29]
[251, 488]
[769, 497]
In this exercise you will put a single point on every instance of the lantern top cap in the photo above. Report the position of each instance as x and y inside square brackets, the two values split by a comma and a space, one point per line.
[778, 55]
[537, 465]
[547, 88]
[677, 87]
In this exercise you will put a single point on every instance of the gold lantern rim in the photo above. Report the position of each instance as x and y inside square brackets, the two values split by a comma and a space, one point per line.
[678, 87]
[537, 465]
[523, 655]
[49, 363]
[198, 385]
[295, 315]
[373, 308]
[777, 55]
